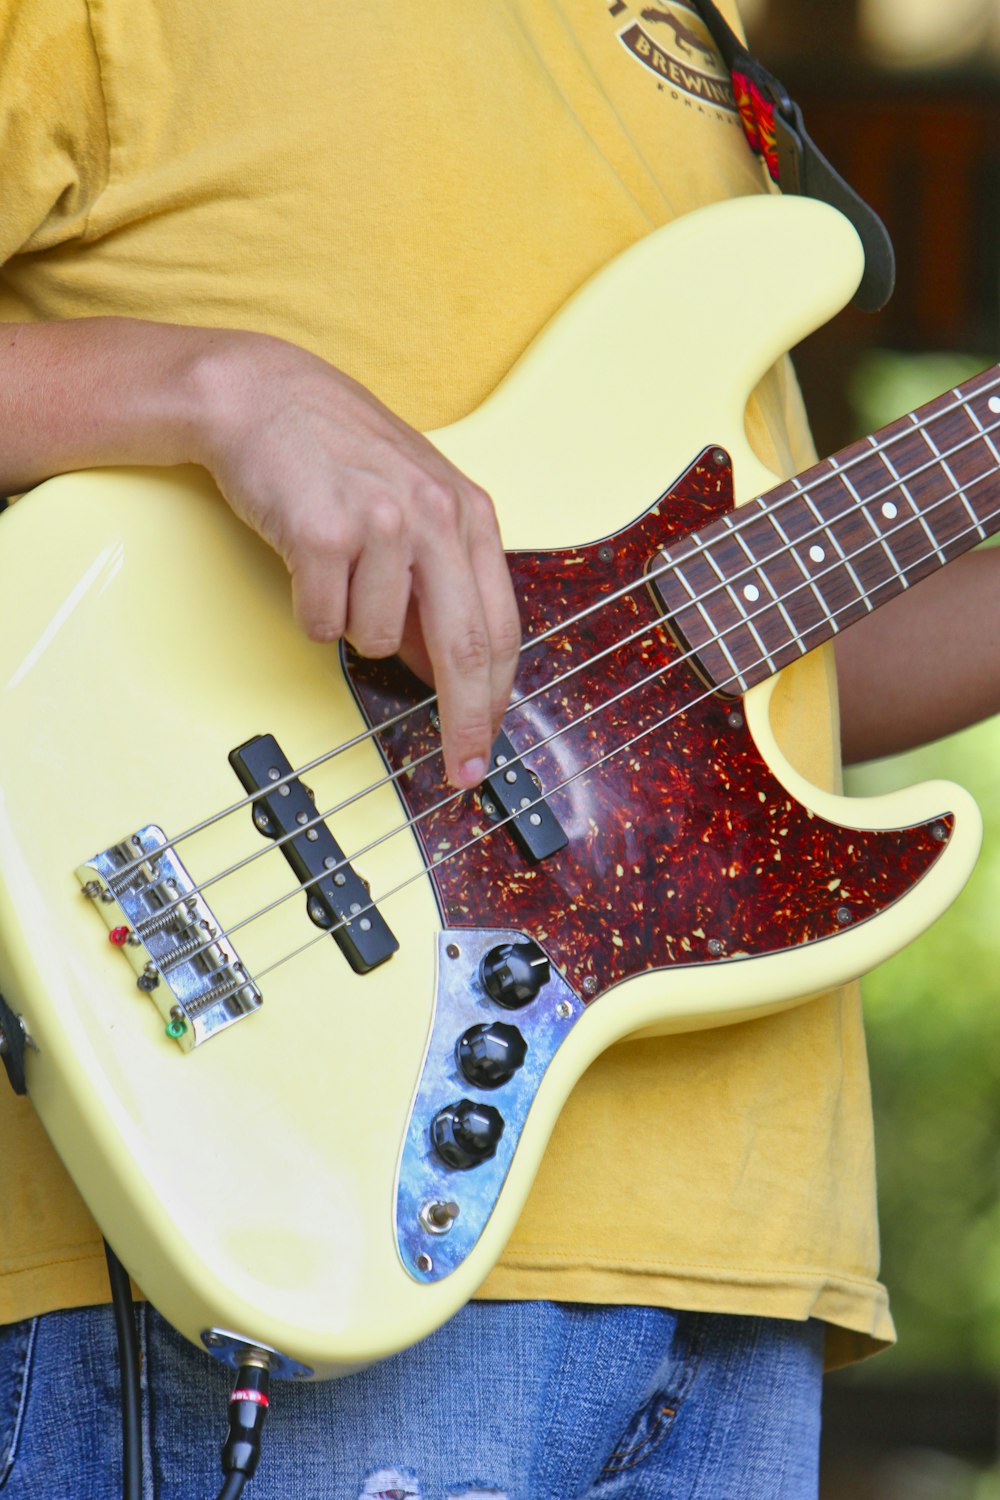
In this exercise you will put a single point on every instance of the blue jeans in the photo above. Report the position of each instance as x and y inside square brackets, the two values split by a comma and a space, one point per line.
[511, 1401]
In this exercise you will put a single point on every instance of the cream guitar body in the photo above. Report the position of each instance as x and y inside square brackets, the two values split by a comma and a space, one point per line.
[262, 1151]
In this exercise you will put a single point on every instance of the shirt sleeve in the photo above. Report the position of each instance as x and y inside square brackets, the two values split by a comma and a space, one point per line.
[53, 129]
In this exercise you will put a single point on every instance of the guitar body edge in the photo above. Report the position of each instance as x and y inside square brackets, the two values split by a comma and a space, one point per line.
[144, 635]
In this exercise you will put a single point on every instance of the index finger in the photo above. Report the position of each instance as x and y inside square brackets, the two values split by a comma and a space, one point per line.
[455, 631]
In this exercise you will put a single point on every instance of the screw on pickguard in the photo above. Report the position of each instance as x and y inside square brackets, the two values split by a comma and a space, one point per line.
[336, 895]
[512, 793]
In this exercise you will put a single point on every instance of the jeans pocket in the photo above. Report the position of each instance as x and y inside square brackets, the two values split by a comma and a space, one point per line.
[17, 1343]
[654, 1419]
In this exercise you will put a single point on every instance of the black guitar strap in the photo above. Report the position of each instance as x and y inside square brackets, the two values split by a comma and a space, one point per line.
[772, 123]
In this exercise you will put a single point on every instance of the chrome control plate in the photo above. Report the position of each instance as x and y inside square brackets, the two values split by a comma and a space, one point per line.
[428, 1249]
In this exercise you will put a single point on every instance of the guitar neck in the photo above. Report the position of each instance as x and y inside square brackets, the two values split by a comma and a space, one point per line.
[786, 572]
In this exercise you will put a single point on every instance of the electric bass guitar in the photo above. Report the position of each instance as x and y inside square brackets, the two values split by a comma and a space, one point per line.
[297, 1015]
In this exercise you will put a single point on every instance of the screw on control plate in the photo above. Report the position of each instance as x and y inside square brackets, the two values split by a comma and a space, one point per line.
[424, 1263]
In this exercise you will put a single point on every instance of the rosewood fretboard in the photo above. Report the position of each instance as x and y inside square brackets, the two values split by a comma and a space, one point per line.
[772, 580]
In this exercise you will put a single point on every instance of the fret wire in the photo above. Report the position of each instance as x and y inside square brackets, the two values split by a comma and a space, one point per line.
[744, 619]
[986, 432]
[963, 468]
[941, 431]
[792, 551]
[862, 510]
[917, 515]
[697, 602]
[848, 566]
[775, 596]
[928, 438]
[903, 526]
[735, 554]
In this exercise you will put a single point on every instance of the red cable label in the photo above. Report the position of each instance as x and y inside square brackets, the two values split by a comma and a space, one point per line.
[245, 1395]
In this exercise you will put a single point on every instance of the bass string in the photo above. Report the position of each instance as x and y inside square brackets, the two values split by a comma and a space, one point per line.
[560, 626]
[822, 528]
[392, 776]
[499, 823]
[470, 843]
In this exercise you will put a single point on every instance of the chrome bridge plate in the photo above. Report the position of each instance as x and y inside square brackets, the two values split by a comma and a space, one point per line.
[165, 928]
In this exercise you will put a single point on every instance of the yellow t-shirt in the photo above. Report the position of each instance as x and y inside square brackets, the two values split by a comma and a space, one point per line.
[411, 191]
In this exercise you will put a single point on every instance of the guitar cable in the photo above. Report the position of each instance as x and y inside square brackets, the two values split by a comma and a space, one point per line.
[128, 1376]
[248, 1402]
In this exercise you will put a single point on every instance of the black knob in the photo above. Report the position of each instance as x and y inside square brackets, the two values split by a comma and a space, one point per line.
[490, 1055]
[467, 1134]
[513, 973]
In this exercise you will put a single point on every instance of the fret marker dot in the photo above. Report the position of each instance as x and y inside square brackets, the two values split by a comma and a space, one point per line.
[994, 405]
[751, 592]
[890, 511]
[817, 554]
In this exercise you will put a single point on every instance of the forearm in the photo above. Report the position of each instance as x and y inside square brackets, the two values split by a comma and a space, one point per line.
[97, 391]
[385, 540]
[925, 664]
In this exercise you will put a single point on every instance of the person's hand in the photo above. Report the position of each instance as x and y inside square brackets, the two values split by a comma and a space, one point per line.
[387, 543]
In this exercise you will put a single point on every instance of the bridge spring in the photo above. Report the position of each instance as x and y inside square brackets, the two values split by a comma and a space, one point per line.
[169, 918]
[224, 990]
[196, 944]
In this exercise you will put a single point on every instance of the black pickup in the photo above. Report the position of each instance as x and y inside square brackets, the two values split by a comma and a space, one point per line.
[513, 794]
[336, 895]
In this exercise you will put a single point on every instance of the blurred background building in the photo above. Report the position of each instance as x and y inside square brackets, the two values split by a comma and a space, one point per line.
[904, 97]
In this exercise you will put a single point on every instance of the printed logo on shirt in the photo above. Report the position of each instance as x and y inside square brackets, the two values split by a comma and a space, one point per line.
[672, 41]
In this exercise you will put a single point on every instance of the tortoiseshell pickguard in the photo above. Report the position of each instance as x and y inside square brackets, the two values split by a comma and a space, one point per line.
[683, 847]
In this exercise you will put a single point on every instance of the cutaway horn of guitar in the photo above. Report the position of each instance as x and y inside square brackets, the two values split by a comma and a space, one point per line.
[300, 1022]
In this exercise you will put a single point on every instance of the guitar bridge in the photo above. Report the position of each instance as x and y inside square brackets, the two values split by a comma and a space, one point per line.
[167, 931]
